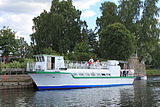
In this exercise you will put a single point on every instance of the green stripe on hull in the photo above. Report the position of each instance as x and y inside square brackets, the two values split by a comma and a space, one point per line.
[104, 77]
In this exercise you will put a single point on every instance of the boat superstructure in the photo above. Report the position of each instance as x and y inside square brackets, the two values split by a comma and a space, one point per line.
[52, 72]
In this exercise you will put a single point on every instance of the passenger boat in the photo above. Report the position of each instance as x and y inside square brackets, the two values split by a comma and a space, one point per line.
[52, 72]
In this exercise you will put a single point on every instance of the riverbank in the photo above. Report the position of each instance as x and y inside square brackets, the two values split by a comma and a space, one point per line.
[153, 72]
[15, 81]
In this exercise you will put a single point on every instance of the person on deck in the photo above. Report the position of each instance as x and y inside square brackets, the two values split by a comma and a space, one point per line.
[98, 64]
[90, 62]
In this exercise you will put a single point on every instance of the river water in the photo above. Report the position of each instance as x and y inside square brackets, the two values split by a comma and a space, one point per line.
[141, 94]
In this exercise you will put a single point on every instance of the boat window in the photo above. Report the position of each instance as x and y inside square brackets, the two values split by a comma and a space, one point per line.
[42, 58]
[93, 74]
[108, 74]
[87, 74]
[103, 74]
[98, 74]
[37, 59]
[75, 74]
[81, 74]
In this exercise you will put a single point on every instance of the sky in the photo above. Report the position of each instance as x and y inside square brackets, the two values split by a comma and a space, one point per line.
[18, 14]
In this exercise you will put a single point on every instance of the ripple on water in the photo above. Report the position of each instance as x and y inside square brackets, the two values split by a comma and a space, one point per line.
[141, 94]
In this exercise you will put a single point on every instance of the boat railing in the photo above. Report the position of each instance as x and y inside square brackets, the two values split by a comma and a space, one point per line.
[72, 65]
[31, 67]
[85, 65]
[127, 72]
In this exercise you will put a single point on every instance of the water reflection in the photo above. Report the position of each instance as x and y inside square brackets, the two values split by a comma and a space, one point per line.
[15, 98]
[141, 94]
[110, 96]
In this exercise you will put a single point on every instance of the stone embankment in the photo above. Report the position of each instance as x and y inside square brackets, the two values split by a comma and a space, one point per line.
[16, 81]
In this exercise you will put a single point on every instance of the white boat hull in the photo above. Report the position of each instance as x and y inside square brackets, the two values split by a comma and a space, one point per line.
[67, 81]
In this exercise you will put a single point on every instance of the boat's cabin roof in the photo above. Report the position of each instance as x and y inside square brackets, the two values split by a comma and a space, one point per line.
[40, 57]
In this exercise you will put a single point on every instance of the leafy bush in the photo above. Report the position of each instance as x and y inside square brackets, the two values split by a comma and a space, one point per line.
[80, 56]
[81, 52]
[3, 65]
[50, 51]
[153, 72]
[16, 64]
[26, 60]
[17, 59]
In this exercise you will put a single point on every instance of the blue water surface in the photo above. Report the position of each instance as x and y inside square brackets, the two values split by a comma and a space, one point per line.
[141, 94]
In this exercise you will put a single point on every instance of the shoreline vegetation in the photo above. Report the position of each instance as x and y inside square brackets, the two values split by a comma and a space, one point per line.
[153, 72]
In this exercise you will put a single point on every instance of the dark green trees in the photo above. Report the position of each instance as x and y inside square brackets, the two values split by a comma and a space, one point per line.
[139, 17]
[8, 43]
[24, 50]
[129, 13]
[109, 15]
[81, 52]
[116, 42]
[11, 46]
[148, 32]
[59, 29]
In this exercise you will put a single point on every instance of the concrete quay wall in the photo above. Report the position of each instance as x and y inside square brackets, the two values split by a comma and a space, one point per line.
[16, 81]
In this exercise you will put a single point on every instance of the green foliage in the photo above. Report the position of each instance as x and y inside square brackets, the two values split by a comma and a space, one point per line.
[8, 43]
[17, 63]
[21, 60]
[140, 18]
[153, 72]
[49, 51]
[156, 57]
[93, 41]
[59, 29]
[17, 60]
[149, 32]
[129, 13]
[24, 50]
[81, 47]
[116, 42]
[81, 52]
[109, 15]
[14, 64]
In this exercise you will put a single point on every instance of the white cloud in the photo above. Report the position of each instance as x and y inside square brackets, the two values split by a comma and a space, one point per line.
[18, 14]
[18, 22]
[26, 37]
[88, 13]
[1, 19]
[84, 4]
[23, 6]
[158, 19]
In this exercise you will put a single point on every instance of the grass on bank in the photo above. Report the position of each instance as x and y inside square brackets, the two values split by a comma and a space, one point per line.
[15, 64]
[153, 72]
